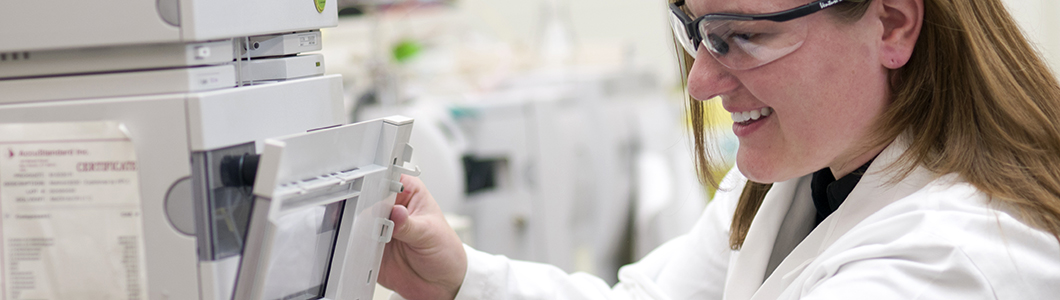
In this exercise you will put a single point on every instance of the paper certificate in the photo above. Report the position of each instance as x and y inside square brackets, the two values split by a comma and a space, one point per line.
[70, 213]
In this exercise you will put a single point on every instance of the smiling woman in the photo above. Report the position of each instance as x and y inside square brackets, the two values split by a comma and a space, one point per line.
[889, 149]
[964, 111]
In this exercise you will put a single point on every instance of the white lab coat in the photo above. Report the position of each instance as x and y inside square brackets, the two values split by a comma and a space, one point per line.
[925, 237]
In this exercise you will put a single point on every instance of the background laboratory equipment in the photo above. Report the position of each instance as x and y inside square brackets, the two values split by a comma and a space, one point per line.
[542, 161]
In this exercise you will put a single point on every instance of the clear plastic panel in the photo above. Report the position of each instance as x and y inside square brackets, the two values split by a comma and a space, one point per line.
[301, 252]
[223, 202]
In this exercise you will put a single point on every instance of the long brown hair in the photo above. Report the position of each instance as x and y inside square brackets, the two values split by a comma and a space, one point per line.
[974, 99]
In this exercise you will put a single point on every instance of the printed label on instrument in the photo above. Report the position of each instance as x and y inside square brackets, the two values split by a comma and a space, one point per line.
[70, 213]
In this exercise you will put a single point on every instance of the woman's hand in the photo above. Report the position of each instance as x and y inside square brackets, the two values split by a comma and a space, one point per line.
[425, 259]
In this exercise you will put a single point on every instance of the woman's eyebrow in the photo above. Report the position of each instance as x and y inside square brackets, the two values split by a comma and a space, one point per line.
[696, 14]
[728, 10]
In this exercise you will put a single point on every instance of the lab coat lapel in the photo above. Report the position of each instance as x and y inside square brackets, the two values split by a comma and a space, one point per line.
[749, 264]
[872, 193]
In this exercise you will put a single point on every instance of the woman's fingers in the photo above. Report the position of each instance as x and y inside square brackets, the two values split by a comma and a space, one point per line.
[411, 188]
[416, 197]
[409, 229]
[426, 258]
[400, 216]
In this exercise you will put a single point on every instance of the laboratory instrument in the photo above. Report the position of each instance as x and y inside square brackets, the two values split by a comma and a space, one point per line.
[202, 89]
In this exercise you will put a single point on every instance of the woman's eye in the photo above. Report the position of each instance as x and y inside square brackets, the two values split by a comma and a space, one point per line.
[744, 36]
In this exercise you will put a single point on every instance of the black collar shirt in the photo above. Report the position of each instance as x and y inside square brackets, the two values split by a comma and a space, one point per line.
[828, 193]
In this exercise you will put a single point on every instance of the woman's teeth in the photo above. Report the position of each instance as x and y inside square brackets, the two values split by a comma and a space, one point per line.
[740, 117]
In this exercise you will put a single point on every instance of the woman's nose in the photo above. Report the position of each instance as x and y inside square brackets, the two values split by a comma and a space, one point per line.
[708, 78]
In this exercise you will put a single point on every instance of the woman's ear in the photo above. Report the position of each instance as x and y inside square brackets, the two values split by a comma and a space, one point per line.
[901, 21]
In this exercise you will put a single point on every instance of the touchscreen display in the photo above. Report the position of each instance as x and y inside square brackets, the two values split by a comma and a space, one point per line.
[302, 251]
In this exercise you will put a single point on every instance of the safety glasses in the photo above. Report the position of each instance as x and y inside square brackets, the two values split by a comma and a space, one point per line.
[742, 42]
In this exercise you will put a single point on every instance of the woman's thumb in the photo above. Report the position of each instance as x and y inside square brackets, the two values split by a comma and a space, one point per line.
[404, 228]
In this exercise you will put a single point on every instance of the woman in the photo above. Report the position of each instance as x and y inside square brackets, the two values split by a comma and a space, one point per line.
[936, 116]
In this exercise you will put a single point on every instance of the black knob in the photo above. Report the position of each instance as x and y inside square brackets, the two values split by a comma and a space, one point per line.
[239, 170]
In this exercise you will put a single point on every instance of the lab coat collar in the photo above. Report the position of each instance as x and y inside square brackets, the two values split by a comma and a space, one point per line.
[872, 193]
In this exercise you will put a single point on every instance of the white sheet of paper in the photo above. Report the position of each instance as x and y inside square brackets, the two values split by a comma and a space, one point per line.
[70, 213]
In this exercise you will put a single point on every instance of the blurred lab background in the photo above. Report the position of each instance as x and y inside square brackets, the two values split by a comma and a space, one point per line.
[549, 130]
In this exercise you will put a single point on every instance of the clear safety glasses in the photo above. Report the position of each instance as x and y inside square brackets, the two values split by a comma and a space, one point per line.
[742, 42]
